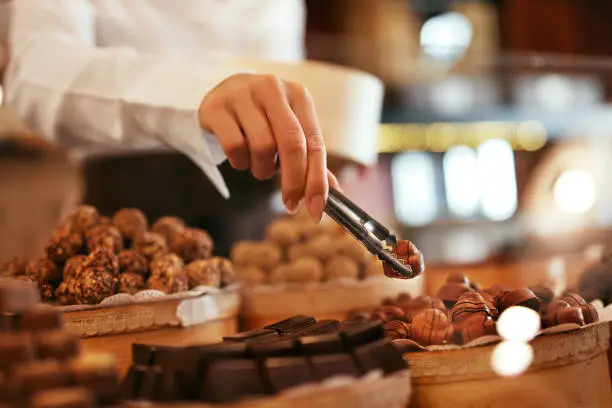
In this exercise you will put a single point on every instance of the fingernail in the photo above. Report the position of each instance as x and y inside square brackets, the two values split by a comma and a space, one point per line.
[292, 206]
[315, 206]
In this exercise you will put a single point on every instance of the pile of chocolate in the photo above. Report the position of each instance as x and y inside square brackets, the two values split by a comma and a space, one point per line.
[91, 257]
[462, 312]
[299, 250]
[40, 362]
[292, 352]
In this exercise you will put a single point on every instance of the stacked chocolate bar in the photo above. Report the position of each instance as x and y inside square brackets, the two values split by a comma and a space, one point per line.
[292, 352]
[40, 362]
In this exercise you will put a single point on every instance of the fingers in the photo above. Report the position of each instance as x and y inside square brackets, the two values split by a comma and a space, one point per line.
[316, 174]
[289, 136]
[262, 146]
[333, 181]
[223, 124]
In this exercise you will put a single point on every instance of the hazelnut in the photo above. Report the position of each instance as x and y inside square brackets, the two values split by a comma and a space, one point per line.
[130, 222]
[340, 267]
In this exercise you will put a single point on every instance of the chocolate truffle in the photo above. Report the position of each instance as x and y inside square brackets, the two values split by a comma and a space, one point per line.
[497, 291]
[283, 232]
[206, 272]
[520, 297]
[83, 218]
[590, 313]
[397, 329]
[104, 236]
[301, 270]
[133, 261]
[450, 292]
[476, 326]
[64, 243]
[12, 267]
[43, 271]
[167, 264]
[250, 275]
[64, 293]
[298, 251]
[389, 313]
[431, 326]
[564, 315]
[408, 253]
[104, 220]
[469, 304]
[169, 283]
[131, 283]
[420, 303]
[102, 260]
[73, 266]
[150, 245]
[192, 244]
[266, 256]
[168, 226]
[321, 248]
[91, 287]
[573, 299]
[340, 267]
[130, 222]
[545, 294]
[242, 253]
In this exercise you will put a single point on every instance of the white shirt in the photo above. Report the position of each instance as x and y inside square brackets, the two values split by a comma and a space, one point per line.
[131, 73]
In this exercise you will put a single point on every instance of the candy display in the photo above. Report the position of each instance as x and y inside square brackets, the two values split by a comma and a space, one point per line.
[460, 313]
[263, 362]
[90, 257]
[41, 363]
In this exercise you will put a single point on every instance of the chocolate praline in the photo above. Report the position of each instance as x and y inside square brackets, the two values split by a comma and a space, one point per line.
[130, 222]
[131, 283]
[520, 297]
[104, 236]
[192, 244]
[476, 326]
[12, 267]
[431, 327]
[103, 260]
[133, 261]
[450, 292]
[151, 245]
[167, 264]
[83, 218]
[457, 277]
[64, 243]
[205, 272]
[469, 304]
[73, 266]
[168, 226]
[397, 329]
[92, 286]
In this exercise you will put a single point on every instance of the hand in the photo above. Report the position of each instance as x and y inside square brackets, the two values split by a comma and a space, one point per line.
[261, 118]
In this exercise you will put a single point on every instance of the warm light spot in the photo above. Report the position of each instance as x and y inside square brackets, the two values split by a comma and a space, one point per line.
[531, 136]
[497, 179]
[575, 192]
[511, 358]
[519, 324]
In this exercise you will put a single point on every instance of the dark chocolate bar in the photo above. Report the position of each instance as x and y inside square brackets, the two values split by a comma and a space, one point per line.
[321, 344]
[279, 347]
[356, 333]
[229, 380]
[146, 382]
[17, 296]
[142, 354]
[286, 372]
[59, 344]
[41, 318]
[330, 365]
[251, 334]
[37, 376]
[9, 322]
[15, 348]
[320, 327]
[97, 373]
[292, 324]
[379, 355]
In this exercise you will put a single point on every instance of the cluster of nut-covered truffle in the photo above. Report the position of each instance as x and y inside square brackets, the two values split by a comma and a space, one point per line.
[91, 257]
[462, 312]
[299, 250]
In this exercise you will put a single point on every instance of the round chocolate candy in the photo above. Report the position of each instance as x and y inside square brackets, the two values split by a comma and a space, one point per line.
[103, 260]
[420, 303]
[192, 244]
[431, 327]
[131, 283]
[206, 272]
[302, 270]
[133, 261]
[43, 270]
[250, 275]
[64, 243]
[469, 304]
[83, 218]
[574, 299]
[73, 266]
[545, 294]
[167, 264]
[397, 329]
[151, 245]
[172, 281]
[450, 292]
[104, 236]
[564, 315]
[497, 291]
[457, 277]
[283, 232]
[91, 287]
[408, 253]
[168, 226]
[340, 267]
[130, 222]
[590, 313]
[520, 297]
[476, 326]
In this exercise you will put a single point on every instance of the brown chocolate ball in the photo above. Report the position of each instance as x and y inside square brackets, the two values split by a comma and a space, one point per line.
[151, 245]
[574, 299]
[103, 260]
[169, 264]
[302, 270]
[340, 267]
[497, 291]
[431, 327]
[73, 266]
[192, 244]
[520, 297]
[43, 271]
[104, 236]
[545, 294]
[590, 313]
[469, 304]
[450, 292]
[242, 253]
[476, 326]
[92, 286]
[457, 277]
[172, 281]
[389, 313]
[133, 261]
[206, 272]
[12, 267]
[104, 220]
[266, 256]
[564, 315]
[421, 303]
[83, 218]
[64, 243]
[65, 292]
[250, 275]
[409, 254]
[283, 232]
[168, 226]
[130, 222]
[131, 283]
[397, 329]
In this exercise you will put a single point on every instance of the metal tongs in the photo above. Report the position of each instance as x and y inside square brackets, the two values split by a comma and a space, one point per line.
[377, 239]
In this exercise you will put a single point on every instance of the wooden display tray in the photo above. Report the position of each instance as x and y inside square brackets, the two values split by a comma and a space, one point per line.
[389, 392]
[569, 369]
[196, 319]
[264, 305]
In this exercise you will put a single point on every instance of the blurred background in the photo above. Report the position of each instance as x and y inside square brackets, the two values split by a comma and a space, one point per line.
[494, 146]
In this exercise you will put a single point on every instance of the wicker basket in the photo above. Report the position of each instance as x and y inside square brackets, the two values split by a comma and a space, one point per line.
[569, 370]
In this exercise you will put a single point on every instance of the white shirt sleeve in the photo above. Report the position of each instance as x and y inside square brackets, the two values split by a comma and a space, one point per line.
[60, 83]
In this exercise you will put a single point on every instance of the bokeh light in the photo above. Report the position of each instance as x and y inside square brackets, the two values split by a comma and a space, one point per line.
[511, 358]
[575, 192]
[518, 323]
[446, 36]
